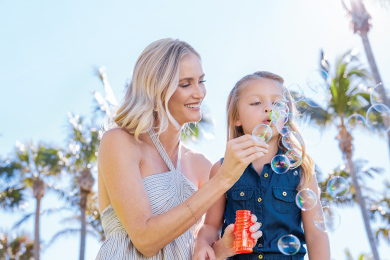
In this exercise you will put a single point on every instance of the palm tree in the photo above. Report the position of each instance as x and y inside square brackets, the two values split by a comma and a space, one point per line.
[344, 101]
[19, 247]
[93, 221]
[82, 156]
[361, 24]
[30, 169]
[381, 208]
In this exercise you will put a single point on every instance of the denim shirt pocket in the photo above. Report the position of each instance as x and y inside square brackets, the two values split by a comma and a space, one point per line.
[284, 199]
[242, 199]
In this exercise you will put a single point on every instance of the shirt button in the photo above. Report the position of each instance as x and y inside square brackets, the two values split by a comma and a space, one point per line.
[259, 199]
[284, 193]
[266, 175]
[260, 256]
[260, 245]
[242, 193]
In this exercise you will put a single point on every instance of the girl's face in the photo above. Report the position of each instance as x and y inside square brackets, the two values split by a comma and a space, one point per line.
[255, 104]
[184, 105]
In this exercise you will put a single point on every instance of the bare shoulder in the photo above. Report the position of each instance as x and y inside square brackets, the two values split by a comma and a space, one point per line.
[117, 144]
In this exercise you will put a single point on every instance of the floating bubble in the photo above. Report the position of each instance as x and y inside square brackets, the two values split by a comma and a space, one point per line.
[312, 135]
[280, 164]
[294, 119]
[318, 81]
[293, 93]
[378, 117]
[327, 219]
[295, 157]
[356, 124]
[337, 187]
[280, 105]
[289, 245]
[292, 140]
[283, 130]
[376, 98]
[306, 199]
[262, 132]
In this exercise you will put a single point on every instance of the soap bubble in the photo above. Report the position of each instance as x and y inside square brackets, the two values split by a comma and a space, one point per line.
[283, 130]
[289, 245]
[306, 199]
[262, 132]
[318, 81]
[376, 98]
[280, 164]
[295, 157]
[327, 219]
[356, 124]
[292, 140]
[378, 116]
[312, 135]
[293, 93]
[280, 105]
[337, 187]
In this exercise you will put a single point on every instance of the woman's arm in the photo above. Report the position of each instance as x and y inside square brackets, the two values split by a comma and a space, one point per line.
[316, 240]
[119, 159]
[209, 232]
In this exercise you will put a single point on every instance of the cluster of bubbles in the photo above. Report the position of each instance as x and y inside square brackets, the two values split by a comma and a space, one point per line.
[377, 116]
[318, 83]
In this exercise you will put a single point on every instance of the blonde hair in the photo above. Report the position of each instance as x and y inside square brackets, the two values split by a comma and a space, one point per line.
[155, 79]
[234, 131]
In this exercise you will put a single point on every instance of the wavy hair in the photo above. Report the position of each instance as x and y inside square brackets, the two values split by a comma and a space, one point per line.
[233, 131]
[155, 79]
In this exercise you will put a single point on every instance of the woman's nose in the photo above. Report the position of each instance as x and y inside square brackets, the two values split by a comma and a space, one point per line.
[200, 91]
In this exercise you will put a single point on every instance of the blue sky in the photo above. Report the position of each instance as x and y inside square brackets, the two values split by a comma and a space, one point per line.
[49, 50]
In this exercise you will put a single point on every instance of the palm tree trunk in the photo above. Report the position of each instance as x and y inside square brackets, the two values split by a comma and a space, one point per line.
[83, 204]
[375, 74]
[363, 209]
[36, 235]
[345, 144]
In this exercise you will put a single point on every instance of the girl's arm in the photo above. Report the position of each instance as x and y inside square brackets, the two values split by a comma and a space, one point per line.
[119, 160]
[208, 245]
[316, 240]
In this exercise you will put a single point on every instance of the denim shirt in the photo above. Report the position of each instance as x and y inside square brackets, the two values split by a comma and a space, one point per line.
[271, 197]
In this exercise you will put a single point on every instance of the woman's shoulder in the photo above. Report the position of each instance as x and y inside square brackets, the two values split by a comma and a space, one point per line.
[119, 140]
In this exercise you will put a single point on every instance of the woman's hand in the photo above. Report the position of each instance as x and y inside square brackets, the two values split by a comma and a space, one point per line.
[240, 152]
[224, 247]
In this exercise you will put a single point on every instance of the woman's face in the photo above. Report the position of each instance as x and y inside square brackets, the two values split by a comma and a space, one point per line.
[184, 105]
[255, 104]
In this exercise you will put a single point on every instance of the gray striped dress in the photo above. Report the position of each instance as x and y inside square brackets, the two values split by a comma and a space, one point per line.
[165, 190]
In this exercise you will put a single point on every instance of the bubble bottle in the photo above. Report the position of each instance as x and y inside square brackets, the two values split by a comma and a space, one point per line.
[243, 242]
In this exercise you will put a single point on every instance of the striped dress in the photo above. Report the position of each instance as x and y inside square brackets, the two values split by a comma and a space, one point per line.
[165, 190]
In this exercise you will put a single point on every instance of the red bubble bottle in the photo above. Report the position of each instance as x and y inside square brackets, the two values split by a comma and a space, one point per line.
[243, 242]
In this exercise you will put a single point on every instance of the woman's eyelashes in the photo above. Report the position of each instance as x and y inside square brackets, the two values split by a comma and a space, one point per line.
[256, 103]
[187, 84]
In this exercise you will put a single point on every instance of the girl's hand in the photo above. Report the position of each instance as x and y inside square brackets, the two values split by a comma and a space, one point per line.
[226, 243]
[240, 152]
[203, 252]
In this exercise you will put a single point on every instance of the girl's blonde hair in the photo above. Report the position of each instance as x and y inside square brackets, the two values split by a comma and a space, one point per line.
[155, 79]
[234, 131]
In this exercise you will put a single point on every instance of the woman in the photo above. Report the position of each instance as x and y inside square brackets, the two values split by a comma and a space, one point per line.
[153, 191]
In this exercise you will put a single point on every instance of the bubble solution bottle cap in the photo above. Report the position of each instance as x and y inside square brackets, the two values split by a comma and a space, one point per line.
[243, 242]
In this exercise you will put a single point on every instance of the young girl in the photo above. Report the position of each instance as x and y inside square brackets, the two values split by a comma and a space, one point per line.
[268, 195]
